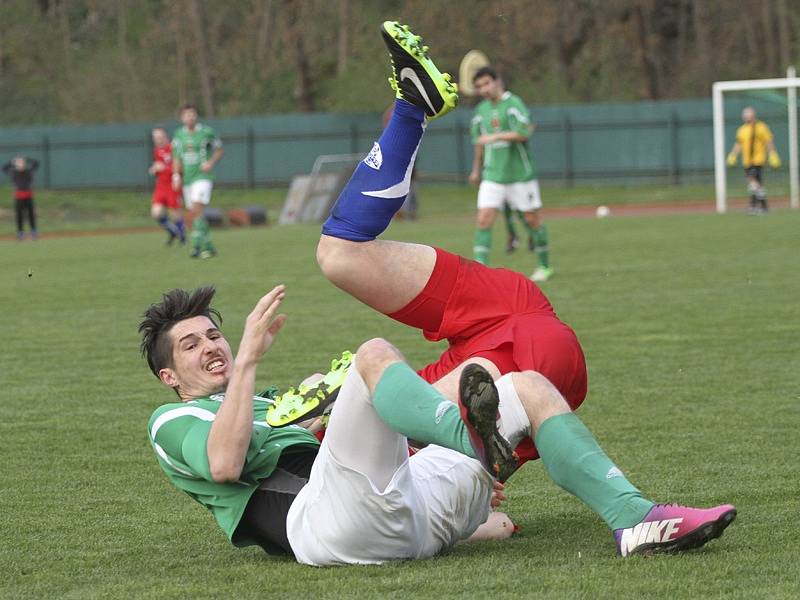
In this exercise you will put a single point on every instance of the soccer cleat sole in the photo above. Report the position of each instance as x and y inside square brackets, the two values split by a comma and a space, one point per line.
[415, 78]
[694, 539]
[278, 421]
[479, 398]
[314, 401]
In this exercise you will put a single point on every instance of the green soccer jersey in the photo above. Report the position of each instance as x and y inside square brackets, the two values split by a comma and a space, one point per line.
[504, 162]
[192, 149]
[179, 435]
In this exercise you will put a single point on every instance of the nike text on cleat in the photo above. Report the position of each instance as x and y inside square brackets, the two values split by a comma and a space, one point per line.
[415, 78]
[307, 402]
[478, 401]
[674, 528]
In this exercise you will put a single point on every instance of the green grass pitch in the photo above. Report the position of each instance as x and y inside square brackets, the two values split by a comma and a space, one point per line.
[690, 327]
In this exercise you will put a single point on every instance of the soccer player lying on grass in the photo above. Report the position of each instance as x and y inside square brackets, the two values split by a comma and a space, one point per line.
[494, 317]
[361, 499]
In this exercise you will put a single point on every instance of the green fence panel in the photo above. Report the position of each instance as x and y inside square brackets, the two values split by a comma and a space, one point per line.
[612, 142]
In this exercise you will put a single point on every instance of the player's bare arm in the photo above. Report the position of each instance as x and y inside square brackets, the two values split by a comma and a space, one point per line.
[477, 162]
[212, 162]
[230, 433]
[502, 136]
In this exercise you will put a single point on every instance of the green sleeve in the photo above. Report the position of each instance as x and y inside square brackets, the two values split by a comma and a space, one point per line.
[177, 145]
[195, 449]
[475, 127]
[213, 138]
[519, 118]
[179, 435]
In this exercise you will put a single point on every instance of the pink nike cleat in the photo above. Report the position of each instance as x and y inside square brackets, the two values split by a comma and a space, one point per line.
[674, 528]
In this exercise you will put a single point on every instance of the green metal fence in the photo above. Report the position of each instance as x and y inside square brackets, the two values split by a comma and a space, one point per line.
[620, 143]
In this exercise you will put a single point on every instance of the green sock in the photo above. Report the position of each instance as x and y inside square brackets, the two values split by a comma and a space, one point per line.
[414, 408]
[508, 216]
[577, 464]
[199, 233]
[541, 241]
[531, 231]
[481, 245]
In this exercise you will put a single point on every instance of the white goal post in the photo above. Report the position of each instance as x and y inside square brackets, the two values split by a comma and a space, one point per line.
[791, 83]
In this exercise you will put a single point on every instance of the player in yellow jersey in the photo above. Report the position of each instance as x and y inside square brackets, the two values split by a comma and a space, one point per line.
[754, 142]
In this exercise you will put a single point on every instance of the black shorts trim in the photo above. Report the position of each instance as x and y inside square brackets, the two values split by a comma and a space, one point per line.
[264, 520]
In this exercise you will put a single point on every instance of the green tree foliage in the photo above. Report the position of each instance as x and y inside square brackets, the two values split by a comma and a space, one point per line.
[76, 61]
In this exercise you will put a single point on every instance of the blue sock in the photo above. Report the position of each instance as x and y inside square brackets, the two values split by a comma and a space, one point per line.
[164, 222]
[179, 225]
[381, 181]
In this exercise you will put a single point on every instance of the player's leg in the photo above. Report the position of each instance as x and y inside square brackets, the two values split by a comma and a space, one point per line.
[31, 210]
[753, 187]
[175, 210]
[761, 191]
[411, 406]
[526, 197]
[198, 195]
[387, 402]
[532, 406]
[19, 214]
[491, 199]
[176, 216]
[356, 436]
[158, 211]
[512, 239]
[387, 275]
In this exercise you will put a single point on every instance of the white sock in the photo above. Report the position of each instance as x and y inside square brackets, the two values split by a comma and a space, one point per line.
[514, 424]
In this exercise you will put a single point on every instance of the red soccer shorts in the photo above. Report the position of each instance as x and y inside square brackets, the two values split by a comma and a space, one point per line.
[166, 196]
[499, 315]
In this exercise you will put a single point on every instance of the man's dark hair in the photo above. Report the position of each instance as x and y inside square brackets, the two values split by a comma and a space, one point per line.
[188, 106]
[176, 305]
[483, 71]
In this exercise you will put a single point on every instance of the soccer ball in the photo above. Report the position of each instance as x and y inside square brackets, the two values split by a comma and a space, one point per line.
[602, 212]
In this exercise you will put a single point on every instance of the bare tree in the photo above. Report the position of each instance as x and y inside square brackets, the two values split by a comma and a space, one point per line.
[264, 32]
[294, 35]
[343, 45]
[783, 34]
[652, 87]
[702, 35]
[197, 19]
[768, 37]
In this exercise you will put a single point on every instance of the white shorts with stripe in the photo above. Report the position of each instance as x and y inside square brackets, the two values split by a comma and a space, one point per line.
[524, 195]
[434, 499]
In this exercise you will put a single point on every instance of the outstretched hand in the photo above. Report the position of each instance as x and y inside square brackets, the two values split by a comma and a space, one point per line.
[262, 326]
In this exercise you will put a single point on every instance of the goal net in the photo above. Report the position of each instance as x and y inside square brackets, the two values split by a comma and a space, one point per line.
[775, 99]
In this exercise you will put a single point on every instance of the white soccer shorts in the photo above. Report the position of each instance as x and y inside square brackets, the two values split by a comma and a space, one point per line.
[198, 191]
[436, 498]
[524, 196]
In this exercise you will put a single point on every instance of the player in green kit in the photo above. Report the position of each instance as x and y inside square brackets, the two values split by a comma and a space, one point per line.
[504, 167]
[196, 150]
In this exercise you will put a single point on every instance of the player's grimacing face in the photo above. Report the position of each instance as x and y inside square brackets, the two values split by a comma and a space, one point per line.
[201, 356]
[488, 87]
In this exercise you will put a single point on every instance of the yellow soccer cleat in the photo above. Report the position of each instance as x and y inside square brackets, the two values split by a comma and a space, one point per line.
[415, 78]
[307, 402]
